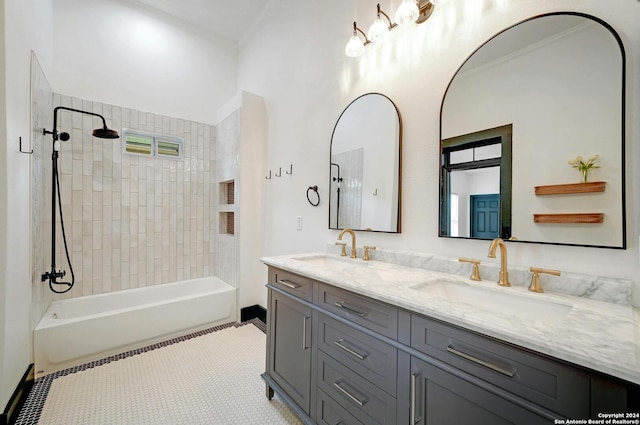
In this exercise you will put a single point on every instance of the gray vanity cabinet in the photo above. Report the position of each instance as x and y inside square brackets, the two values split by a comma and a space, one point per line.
[337, 357]
[289, 336]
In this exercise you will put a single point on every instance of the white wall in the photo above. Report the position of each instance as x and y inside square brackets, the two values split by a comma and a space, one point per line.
[295, 60]
[27, 25]
[115, 52]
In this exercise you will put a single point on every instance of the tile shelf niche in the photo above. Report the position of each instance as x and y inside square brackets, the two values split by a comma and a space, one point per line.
[570, 188]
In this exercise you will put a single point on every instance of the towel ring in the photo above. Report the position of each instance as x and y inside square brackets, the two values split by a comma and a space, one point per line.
[315, 189]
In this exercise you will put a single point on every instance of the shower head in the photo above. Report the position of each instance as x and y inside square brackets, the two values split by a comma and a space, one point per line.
[105, 133]
[101, 133]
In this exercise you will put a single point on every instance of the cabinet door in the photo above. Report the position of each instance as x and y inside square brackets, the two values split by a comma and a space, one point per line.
[440, 398]
[290, 348]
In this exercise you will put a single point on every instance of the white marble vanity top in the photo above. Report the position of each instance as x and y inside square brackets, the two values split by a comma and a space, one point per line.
[602, 336]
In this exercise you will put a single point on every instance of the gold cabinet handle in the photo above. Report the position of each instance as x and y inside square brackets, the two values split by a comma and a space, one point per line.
[508, 372]
[343, 347]
[414, 398]
[289, 284]
[349, 309]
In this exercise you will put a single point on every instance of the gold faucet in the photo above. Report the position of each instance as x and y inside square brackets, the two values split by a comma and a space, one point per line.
[504, 274]
[354, 253]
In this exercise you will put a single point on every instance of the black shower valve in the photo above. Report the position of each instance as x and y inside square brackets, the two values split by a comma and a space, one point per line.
[53, 275]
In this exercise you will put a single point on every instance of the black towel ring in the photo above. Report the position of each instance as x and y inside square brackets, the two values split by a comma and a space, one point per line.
[315, 189]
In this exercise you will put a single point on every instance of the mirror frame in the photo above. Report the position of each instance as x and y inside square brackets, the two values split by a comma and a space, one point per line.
[399, 219]
[623, 131]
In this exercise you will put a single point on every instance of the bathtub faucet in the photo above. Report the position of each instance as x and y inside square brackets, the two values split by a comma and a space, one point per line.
[53, 276]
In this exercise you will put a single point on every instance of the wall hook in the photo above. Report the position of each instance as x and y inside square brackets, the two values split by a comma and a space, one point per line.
[290, 169]
[269, 176]
[375, 193]
[279, 172]
[21, 151]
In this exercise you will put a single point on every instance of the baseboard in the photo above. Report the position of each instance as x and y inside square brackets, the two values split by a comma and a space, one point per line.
[18, 398]
[252, 312]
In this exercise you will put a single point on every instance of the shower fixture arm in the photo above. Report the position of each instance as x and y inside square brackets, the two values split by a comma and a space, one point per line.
[55, 133]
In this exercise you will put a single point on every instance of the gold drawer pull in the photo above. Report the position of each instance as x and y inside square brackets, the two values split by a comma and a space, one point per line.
[341, 305]
[349, 395]
[339, 344]
[508, 372]
[289, 284]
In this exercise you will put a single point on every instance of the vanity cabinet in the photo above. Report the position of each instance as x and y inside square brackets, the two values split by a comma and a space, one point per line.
[289, 337]
[338, 357]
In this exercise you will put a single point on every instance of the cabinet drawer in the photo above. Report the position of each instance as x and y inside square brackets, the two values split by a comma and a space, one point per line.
[372, 314]
[364, 400]
[551, 384]
[440, 398]
[365, 355]
[331, 413]
[292, 283]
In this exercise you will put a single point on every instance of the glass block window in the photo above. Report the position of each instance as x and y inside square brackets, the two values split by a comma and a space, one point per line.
[149, 144]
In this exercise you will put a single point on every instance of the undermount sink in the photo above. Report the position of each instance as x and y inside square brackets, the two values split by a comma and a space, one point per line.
[332, 262]
[538, 309]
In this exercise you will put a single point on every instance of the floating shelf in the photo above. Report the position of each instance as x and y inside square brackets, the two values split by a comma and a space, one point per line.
[565, 189]
[581, 218]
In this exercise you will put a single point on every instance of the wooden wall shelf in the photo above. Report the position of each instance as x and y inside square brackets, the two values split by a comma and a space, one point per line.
[570, 188]
[581, 218]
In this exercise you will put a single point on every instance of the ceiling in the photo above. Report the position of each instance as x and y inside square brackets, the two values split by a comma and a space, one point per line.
[227, 18]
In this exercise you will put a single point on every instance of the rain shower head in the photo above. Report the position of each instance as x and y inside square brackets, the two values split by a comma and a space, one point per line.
[105, 133]
[101, 133]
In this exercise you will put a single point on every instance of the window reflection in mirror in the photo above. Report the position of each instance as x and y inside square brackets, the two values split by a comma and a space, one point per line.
[365, 166]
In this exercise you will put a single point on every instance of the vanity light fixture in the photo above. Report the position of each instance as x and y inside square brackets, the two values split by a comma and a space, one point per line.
[409, 12]
[380, 28]
[355, 46]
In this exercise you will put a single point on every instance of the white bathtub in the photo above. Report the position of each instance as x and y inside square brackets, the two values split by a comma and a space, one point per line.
[80, 330]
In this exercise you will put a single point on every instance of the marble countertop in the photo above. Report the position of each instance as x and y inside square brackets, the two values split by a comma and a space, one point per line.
[599, 335]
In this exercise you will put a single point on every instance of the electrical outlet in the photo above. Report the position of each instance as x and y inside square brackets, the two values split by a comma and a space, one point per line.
[299, 222]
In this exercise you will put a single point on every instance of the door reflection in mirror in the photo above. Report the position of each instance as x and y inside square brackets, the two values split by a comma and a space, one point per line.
[476, 184]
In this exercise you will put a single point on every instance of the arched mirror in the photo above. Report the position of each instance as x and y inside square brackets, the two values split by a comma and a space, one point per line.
[365, 166]
[532, 98]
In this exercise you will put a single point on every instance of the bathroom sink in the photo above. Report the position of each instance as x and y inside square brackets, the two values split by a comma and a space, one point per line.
[500, 301]
[332, 262]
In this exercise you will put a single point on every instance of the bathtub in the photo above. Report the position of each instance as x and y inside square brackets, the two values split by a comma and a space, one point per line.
[84, 329]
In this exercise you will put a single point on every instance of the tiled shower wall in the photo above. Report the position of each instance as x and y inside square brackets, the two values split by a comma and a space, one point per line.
[227, 259]
[132, 221]
[42, 117]
[351, 170]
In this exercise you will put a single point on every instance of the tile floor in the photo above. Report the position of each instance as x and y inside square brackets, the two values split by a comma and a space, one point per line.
[210, 377]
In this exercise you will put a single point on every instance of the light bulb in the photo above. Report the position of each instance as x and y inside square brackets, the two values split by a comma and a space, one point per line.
[355, 46]
[379, 30]
[407, 12]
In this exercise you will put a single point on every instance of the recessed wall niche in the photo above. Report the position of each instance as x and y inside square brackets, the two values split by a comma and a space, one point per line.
[227, 226]
[227, 196]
